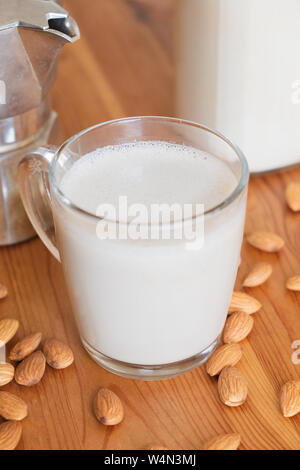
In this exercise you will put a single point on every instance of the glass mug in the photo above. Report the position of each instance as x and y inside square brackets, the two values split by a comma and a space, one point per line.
[145, 309]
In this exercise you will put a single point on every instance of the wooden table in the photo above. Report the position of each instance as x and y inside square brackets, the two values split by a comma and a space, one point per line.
[123, 66]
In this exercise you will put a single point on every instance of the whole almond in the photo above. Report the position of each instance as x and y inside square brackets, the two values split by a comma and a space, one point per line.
[31, 370]
[290, 398]
[293, 283]
[58, 354]
[237, 327]
[10, 435]
[12, 407]
[108, 407]
[8, 329]
[241, 302]
[232, 387]
[259, 274]
[25, 347]
[265, 241]
[7, 372]
[223, 442]
[224, 356]
[292, 195]
[3, 291]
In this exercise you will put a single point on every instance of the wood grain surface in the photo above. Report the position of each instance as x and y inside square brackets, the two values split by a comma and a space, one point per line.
[123, 66]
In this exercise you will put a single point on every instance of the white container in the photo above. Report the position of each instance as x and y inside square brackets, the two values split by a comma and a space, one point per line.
[238, 71]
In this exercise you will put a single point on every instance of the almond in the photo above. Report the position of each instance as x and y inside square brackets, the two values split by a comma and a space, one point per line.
[108, 407]
[293, 283]
[259, 274]
[3, 291]
[58, 354]
[10, 435]
[25, 347]
[237, 327]
[290, 398]
[241, 302]
[265, 241]
[7, 372]
[226, 355]
[12, 407]
[8, 329]
[232, 387]
[31, 370]
[292, 195]
[223, 442]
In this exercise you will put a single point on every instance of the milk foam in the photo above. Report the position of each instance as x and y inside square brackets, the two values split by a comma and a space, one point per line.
[148, 172]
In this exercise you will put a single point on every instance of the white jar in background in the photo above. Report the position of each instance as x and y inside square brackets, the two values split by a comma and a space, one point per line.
[238, 71]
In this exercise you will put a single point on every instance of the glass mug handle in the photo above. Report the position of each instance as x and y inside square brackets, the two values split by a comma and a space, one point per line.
[35, 194]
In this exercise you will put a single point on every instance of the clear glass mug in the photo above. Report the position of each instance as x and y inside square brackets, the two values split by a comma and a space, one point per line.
[145, 309]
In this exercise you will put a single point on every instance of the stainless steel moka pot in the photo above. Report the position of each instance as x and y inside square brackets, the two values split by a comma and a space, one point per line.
[32, 33]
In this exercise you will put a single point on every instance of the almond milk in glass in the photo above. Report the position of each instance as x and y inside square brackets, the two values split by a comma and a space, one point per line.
[145, 308]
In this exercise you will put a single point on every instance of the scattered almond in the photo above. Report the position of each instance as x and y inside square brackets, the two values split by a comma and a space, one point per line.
[258, 275]
[10, 435]
[8, 329]
[232, 387]
[7, 372]
[290, 398]
[226, 355]
[265, 241]
[3, 291]
[241, 302]
[58, 354]
[12, 407]
[25, 347]
[292, 195]
[237, 327]
[293, 283]
[108, 407]
[223, 442]
[31, 370]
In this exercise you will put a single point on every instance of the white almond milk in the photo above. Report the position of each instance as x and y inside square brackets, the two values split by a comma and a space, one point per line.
[238, 71]
[149, 302]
